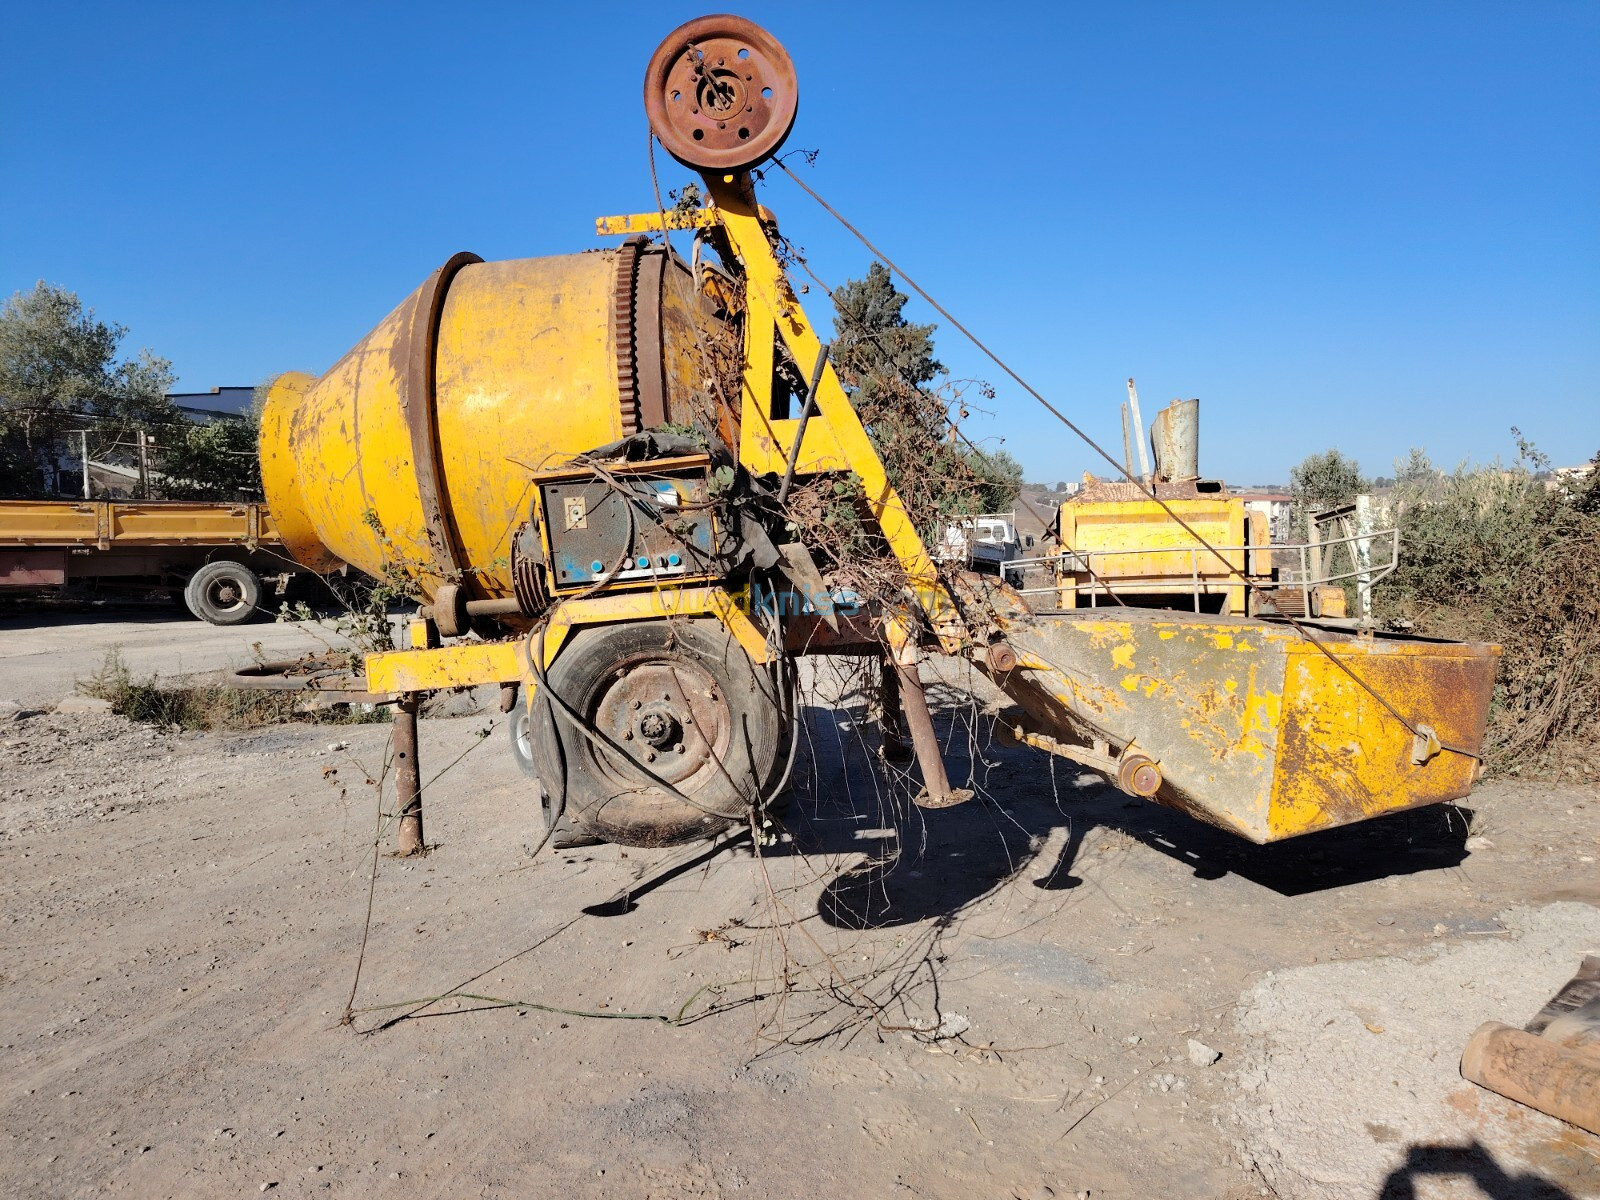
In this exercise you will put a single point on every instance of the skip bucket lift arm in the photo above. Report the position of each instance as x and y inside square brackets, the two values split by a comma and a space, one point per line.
[1254, 727]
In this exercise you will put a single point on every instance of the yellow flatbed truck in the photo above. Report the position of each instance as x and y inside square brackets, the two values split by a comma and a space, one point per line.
[217, 555]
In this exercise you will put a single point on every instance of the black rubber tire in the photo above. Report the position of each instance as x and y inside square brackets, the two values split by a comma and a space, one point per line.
[615, 799]
[520, 727]
[223, 593]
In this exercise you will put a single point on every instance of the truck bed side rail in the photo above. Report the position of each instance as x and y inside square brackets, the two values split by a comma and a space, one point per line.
[101, 524]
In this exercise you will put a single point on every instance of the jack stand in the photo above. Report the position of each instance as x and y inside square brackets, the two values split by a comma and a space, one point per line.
[407, 776]
[936, 790]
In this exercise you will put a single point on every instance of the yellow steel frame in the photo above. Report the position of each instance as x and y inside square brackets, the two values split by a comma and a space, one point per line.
[425, 668]
[834, 441]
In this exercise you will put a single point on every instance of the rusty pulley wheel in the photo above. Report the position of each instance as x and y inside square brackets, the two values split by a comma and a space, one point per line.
[721, 93]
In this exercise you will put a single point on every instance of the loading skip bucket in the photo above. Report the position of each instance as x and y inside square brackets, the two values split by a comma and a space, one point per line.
[1255, 729]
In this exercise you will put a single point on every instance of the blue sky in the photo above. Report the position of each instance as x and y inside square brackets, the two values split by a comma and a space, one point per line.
[1365, 225]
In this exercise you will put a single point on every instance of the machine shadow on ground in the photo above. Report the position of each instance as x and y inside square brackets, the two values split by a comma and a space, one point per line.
[1428, 1165]
[920, 865]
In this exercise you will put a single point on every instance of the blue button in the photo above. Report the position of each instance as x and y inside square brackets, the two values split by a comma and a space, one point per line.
[597, 566]
[673, 560]
[644, 561]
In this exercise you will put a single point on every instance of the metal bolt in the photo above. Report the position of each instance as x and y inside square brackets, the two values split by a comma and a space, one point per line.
[649, 756]
[627, 735]
[678, 749]
[637, 704]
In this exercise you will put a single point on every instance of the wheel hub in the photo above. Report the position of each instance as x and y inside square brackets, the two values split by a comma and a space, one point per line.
[670, 721]
[657, 726]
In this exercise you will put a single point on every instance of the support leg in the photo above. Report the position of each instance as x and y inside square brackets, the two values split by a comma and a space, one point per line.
[894, 746]
[936, 789]
[407, 777]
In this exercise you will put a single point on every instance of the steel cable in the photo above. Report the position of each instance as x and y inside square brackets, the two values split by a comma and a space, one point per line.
[1410, 725]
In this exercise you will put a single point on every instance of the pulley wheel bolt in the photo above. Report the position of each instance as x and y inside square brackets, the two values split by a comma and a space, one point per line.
[637, 704]
[678, 749]
[649, 756]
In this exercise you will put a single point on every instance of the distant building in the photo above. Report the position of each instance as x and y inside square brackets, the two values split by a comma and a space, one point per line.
[1276, 507]
[219, 404]
[117, 480]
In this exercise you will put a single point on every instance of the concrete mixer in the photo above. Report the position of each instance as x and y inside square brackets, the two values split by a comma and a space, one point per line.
[579, 466]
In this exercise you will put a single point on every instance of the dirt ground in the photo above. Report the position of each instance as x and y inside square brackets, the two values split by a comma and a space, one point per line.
[183, 915]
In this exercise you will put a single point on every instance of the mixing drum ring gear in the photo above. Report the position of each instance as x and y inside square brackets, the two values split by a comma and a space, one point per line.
[721, 93]
[623, 333]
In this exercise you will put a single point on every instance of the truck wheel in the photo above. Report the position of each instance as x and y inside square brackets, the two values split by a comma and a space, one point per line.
[223, 593]
[680, 731]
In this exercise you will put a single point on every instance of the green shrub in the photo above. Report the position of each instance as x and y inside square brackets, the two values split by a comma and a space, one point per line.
[207, 706]
[1509, 555]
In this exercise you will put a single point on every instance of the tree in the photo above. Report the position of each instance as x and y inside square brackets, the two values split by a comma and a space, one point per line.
[1001, 477]
[887, 364]
[1323, 481]
[1416, 469]
[58, 373]
[872, 339]
[214, 461]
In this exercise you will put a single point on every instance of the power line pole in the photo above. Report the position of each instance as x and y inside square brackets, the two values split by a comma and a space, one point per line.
[83, 441]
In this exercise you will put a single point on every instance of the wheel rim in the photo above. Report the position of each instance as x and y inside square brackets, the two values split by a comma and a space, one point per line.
[226, 594]
[671, 721]
[720, 93]
[522, 726]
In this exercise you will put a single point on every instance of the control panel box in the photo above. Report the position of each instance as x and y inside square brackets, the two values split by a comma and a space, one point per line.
[627, 525]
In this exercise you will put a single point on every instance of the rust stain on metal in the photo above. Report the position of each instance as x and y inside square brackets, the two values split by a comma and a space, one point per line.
[414, 355]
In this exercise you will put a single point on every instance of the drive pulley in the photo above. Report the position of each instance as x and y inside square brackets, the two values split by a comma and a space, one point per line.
[721, 94]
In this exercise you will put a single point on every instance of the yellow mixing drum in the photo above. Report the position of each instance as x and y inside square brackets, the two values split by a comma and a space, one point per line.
[415, 450]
